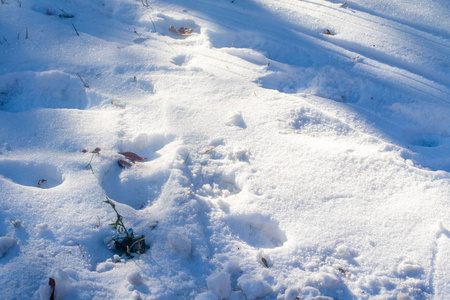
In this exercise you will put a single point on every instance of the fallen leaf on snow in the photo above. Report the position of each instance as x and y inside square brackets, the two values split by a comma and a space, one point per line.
[96, 150]
[182, 30]
[117, 103]
[41, 182]
[133, 156]
[52, 284]
[209, 149]
[264, 261]
[123, 163]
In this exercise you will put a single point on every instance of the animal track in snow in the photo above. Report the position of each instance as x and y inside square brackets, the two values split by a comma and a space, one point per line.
[220, 170]
[163, 22]
[327, 82]
[236, 119]
[429, 141]
[31, 174]
[270, 47]
[141, 183]
[181, 60]
[23, 91]
[312, 122]
[257, 230]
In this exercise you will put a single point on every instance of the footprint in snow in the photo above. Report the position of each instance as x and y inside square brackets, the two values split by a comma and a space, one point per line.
[236, 119]
[181, 60]
[258, 231]
[139, 183]
[23, 91]
[38, 175]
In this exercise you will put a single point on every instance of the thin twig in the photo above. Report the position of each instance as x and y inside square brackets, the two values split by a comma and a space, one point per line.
[68, 251]
[26, 37]
[85, 85]
[154, 27]
[136, 32]
[41, 181]
[89, 166]
[79, 247]
[75, 29]
[129, 248]
[119, 221]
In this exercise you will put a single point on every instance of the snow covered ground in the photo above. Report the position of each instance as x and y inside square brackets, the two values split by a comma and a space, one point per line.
[294, 149]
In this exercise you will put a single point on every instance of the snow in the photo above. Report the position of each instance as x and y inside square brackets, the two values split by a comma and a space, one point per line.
[219, 283]
[6, 243]
[292, 149]
[180, 243]
[253, 288]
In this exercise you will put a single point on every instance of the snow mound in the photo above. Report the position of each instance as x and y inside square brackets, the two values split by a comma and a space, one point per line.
[409, 268]
[180, 243]
[324, 280]
[219, 283]
[252, 287]
[62, 288]
[235, 119]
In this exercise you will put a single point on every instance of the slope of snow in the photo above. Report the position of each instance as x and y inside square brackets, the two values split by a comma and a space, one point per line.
[293, 149]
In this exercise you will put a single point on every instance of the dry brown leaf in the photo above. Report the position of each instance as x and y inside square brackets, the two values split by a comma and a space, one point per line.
[264, 261]
[133, 156]
[328, 32]
[181, 31]
[209, 149]
[96, 150]
[52, 284]
[123, 163]
[117, 103]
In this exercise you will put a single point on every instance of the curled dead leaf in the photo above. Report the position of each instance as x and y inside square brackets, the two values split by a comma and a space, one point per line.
[264, 261]
[343, 271]
[132, 156]
[41, 182]
[52, 284]
[181, 31]
[96, 150]
[117, 103]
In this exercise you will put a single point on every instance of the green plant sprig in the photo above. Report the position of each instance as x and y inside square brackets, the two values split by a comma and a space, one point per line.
[118, 224]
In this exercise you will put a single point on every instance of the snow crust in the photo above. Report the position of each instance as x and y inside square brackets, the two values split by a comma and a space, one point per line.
[288, 149]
